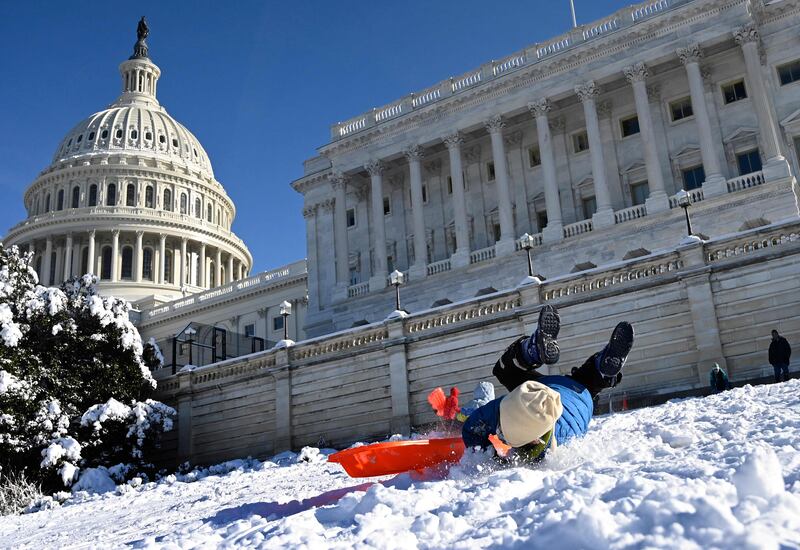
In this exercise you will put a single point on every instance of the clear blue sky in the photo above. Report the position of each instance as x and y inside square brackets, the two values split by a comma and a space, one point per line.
[259, 83]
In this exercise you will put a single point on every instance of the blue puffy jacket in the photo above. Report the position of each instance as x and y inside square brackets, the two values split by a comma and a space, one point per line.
[574, 420]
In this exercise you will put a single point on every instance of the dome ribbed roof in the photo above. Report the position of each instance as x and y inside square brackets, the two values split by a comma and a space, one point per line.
[140, 128]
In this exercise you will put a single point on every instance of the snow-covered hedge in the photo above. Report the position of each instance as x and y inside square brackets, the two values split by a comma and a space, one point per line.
[74, 379]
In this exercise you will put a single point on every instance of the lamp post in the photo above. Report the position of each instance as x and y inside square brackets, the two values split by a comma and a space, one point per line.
[189, 332]
[396, 278]
[286, 310]
[684, 200]
[527, 242]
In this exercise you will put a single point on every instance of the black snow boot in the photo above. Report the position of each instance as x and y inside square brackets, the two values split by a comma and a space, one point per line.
[515, 367]
[604, 369]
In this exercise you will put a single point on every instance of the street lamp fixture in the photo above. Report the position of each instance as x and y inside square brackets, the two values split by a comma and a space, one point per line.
[190, 332]
[684, 200]
[286, 310]
[527, 242]
[396, 278]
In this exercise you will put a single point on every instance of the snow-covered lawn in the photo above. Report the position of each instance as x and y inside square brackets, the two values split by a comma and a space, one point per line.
[719, 472]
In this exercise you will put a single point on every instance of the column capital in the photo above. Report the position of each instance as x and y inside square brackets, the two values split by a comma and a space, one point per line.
[453, 141]
[92, 233]
[114, 232]
[184, 240]
[540, 107]
[163, 237]
[327, 205]
[690, 54]
[587, 91]
[745, 34]
[139, 233]
[375, 167]
[495, 124]
[309, 211]
[338, 181]
[637, 72]
[414, 152]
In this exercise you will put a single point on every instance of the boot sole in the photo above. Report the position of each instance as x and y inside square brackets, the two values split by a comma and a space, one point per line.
[549, 324]
[619, 346]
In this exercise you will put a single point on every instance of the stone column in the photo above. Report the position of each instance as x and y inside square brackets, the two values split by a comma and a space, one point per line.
[138, 265]
[203, 270]
[517, 185]
[75, 268]
[67, 263]
[91, 252]
[218, 268]
[48, 261]
[310, 215]
[419, 269]
[378, 279]
[340, 248]
[657, 200]
[230, 268]
[182, 262]
[604, 217]
[115, 255]
[555, 227]
[398, 379]
[776, 166]
[461, 256]
[715, 182]
[162, 260]
[506, 244]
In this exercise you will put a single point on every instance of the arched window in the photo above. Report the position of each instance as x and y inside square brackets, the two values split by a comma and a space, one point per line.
[168, 268]
[60, 200]
[84, 260]
[111, 195]
[219, 217]
[127, 263]
[198, 208]
[47, 203]
[147, 264]
[168, 200]
[149, 198]
[93, 195]
[130, 195]
[76, 197]
[210, 213]
[105, 265]
[184, 203]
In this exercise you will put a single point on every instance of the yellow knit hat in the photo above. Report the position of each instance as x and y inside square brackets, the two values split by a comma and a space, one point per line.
[529, 412]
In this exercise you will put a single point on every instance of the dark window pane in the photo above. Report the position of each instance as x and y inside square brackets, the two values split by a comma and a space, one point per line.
[630, 126]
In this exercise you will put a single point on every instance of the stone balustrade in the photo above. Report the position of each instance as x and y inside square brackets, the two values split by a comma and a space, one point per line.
[695, 195]
[439, 267]
[482, 255]
[373, 380]
[577, 228]
[628, 214]
[745, 182]
[358, 290]
[622, 19]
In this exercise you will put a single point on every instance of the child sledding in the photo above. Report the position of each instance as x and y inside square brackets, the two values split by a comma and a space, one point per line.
[540, 412]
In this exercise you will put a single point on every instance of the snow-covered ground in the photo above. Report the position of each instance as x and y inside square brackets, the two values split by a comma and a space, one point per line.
[719, 472]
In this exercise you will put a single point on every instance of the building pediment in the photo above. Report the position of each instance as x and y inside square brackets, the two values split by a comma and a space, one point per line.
[686, 151]
[792, 122]
[741, 134]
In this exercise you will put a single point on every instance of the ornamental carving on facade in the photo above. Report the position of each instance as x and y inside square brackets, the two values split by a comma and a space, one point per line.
[745, 34]
[453, 140]
[414, 152]
[637, 72]
[539, 107]
[495, 124]
[338, 181]
[309, 211]
[587, 91]
[690, 54]
[375, 167]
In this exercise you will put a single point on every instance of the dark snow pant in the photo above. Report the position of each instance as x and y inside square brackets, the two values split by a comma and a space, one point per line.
[512, 376]
[781, 372]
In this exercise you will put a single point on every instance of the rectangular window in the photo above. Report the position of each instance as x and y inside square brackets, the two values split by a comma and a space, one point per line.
[390, 263]
[387, 206]
[790, 72]
[351, 217]
[629, 126]
[580, 142]
[681, 108]
[748, 162]
[277, 323]
[534, 157]
[541, 219]
[589, 205]
[490, 171]
[497, 232]
[693, 177]
[250, 330]
[354, 276]
[734, 91]
[639, 192]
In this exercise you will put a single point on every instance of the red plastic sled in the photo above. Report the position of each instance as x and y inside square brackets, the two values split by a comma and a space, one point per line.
[394, 457]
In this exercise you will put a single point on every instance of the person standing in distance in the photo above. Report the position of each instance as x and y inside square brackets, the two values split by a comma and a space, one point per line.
[780, 352]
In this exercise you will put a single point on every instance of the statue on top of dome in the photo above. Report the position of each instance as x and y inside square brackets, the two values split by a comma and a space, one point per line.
[142, 32]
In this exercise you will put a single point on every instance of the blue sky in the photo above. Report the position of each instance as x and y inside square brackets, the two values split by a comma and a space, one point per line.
[259, 83]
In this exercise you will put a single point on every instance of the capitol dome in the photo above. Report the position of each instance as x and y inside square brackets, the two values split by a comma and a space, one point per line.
[130, 196]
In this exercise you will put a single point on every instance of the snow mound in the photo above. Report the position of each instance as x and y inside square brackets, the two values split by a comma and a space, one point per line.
[719, 472]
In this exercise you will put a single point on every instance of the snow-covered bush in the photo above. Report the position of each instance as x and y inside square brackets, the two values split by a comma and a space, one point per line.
[75, 378]
[16, 493]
